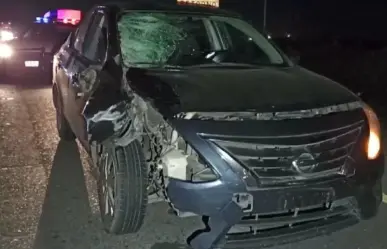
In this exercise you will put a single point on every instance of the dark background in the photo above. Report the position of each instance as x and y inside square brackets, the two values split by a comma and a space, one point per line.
[342, 39]
[300, 17]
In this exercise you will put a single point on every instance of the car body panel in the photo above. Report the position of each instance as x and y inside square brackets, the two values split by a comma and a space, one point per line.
[261, 89]
[347, 189]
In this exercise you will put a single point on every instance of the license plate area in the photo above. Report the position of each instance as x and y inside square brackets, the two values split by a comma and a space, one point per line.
[307, 198]
[31, 63]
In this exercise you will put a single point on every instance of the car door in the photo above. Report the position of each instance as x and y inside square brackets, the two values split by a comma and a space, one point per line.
[92, 55]
[64, 65]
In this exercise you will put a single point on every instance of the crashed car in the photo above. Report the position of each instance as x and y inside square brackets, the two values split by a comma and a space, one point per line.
[194, 106]
[33, 50]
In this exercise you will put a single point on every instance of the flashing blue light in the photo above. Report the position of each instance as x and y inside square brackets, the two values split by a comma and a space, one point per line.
[42, 20]
[47, 14]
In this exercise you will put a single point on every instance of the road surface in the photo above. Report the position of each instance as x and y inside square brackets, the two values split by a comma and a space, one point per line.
[48, 198]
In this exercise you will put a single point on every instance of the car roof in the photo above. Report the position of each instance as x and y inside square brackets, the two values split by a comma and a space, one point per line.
[170, 7]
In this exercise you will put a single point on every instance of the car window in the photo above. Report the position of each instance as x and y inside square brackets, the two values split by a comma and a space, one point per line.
[47, 31]
[95, 44]
[81, 32]
[242, 45]
[150, 38]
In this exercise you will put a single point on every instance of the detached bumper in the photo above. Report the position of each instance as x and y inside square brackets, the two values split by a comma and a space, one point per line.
[272, 216]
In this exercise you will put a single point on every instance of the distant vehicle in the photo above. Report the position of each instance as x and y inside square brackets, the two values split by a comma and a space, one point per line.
[195, 106]
[33, 50]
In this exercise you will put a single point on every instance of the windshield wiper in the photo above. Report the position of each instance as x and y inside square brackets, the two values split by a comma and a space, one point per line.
[155, 65]
[226, 64]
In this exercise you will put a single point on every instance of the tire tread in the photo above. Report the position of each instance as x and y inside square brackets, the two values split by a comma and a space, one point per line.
[133, 195]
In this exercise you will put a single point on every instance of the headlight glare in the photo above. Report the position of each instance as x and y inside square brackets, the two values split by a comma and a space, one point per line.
[5, 51]
[6, 35]
[374, 137]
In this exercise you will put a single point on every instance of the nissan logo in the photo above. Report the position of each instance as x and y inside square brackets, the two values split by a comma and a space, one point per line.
[305, 163]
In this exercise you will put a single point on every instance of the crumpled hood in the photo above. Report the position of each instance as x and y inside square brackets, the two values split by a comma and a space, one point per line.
[224, 90]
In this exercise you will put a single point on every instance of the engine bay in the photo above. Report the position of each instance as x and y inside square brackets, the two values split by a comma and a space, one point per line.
[168, 155]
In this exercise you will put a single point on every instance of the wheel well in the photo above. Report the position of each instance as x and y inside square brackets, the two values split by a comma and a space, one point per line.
[55, 94]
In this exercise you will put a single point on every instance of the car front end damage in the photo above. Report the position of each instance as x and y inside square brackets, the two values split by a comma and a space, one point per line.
[281, 180]
[257, 179]
[277, 157]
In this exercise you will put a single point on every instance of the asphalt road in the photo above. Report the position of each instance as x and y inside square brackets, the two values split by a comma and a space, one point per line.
[48, 198]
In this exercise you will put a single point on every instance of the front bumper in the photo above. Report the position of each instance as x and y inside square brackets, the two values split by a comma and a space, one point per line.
[250, 214]
[278, 215]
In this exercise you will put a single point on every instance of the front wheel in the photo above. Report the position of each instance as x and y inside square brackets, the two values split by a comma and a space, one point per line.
[122, 187]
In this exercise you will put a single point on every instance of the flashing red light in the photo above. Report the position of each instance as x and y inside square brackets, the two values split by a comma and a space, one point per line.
[68, 21]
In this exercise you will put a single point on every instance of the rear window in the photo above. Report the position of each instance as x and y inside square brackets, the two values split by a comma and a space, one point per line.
[47, 31]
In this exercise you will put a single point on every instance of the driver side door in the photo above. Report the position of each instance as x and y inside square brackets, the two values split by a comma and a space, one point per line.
[91, 55]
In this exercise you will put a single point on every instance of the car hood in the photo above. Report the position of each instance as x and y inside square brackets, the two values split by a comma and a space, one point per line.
[230, 90]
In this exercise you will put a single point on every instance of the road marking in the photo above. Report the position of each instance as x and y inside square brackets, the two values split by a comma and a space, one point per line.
[384, 198]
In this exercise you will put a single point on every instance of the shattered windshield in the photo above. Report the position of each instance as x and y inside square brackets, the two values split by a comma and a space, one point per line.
[151, 39]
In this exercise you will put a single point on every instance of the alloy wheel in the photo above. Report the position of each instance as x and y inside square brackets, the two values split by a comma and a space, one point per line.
[107, 169]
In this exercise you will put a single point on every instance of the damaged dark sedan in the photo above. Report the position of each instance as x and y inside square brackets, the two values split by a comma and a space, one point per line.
[194, 106]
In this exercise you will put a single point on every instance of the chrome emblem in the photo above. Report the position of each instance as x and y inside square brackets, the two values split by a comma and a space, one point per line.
[305, 163]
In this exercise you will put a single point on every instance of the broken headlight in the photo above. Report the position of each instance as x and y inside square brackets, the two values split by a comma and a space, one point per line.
[198, 169]
[373, 147]
[184, 163]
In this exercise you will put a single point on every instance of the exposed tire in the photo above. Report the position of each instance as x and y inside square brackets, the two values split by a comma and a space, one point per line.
[63, 128]
[125, 212]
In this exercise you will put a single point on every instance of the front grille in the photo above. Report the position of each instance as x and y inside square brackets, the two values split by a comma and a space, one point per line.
[274, 229]
[280, 159]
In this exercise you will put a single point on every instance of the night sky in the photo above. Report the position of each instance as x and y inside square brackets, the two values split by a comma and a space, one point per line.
[299, 17]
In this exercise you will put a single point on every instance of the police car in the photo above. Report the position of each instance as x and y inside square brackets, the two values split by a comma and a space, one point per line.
[32, 52]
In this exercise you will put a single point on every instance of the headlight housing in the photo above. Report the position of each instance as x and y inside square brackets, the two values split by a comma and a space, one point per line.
[198, 169]
[180, 161]
[373, 147]
[5, 51]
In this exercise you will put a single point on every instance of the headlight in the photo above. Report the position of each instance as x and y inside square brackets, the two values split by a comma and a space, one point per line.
[5, 51]
[374, 137]
[6, 35]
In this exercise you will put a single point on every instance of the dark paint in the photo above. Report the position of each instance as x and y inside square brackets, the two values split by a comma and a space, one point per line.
[222, 89]
[354, 192]
[225, 90]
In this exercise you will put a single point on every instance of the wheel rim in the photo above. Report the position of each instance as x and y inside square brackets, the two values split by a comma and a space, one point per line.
[108, 183]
